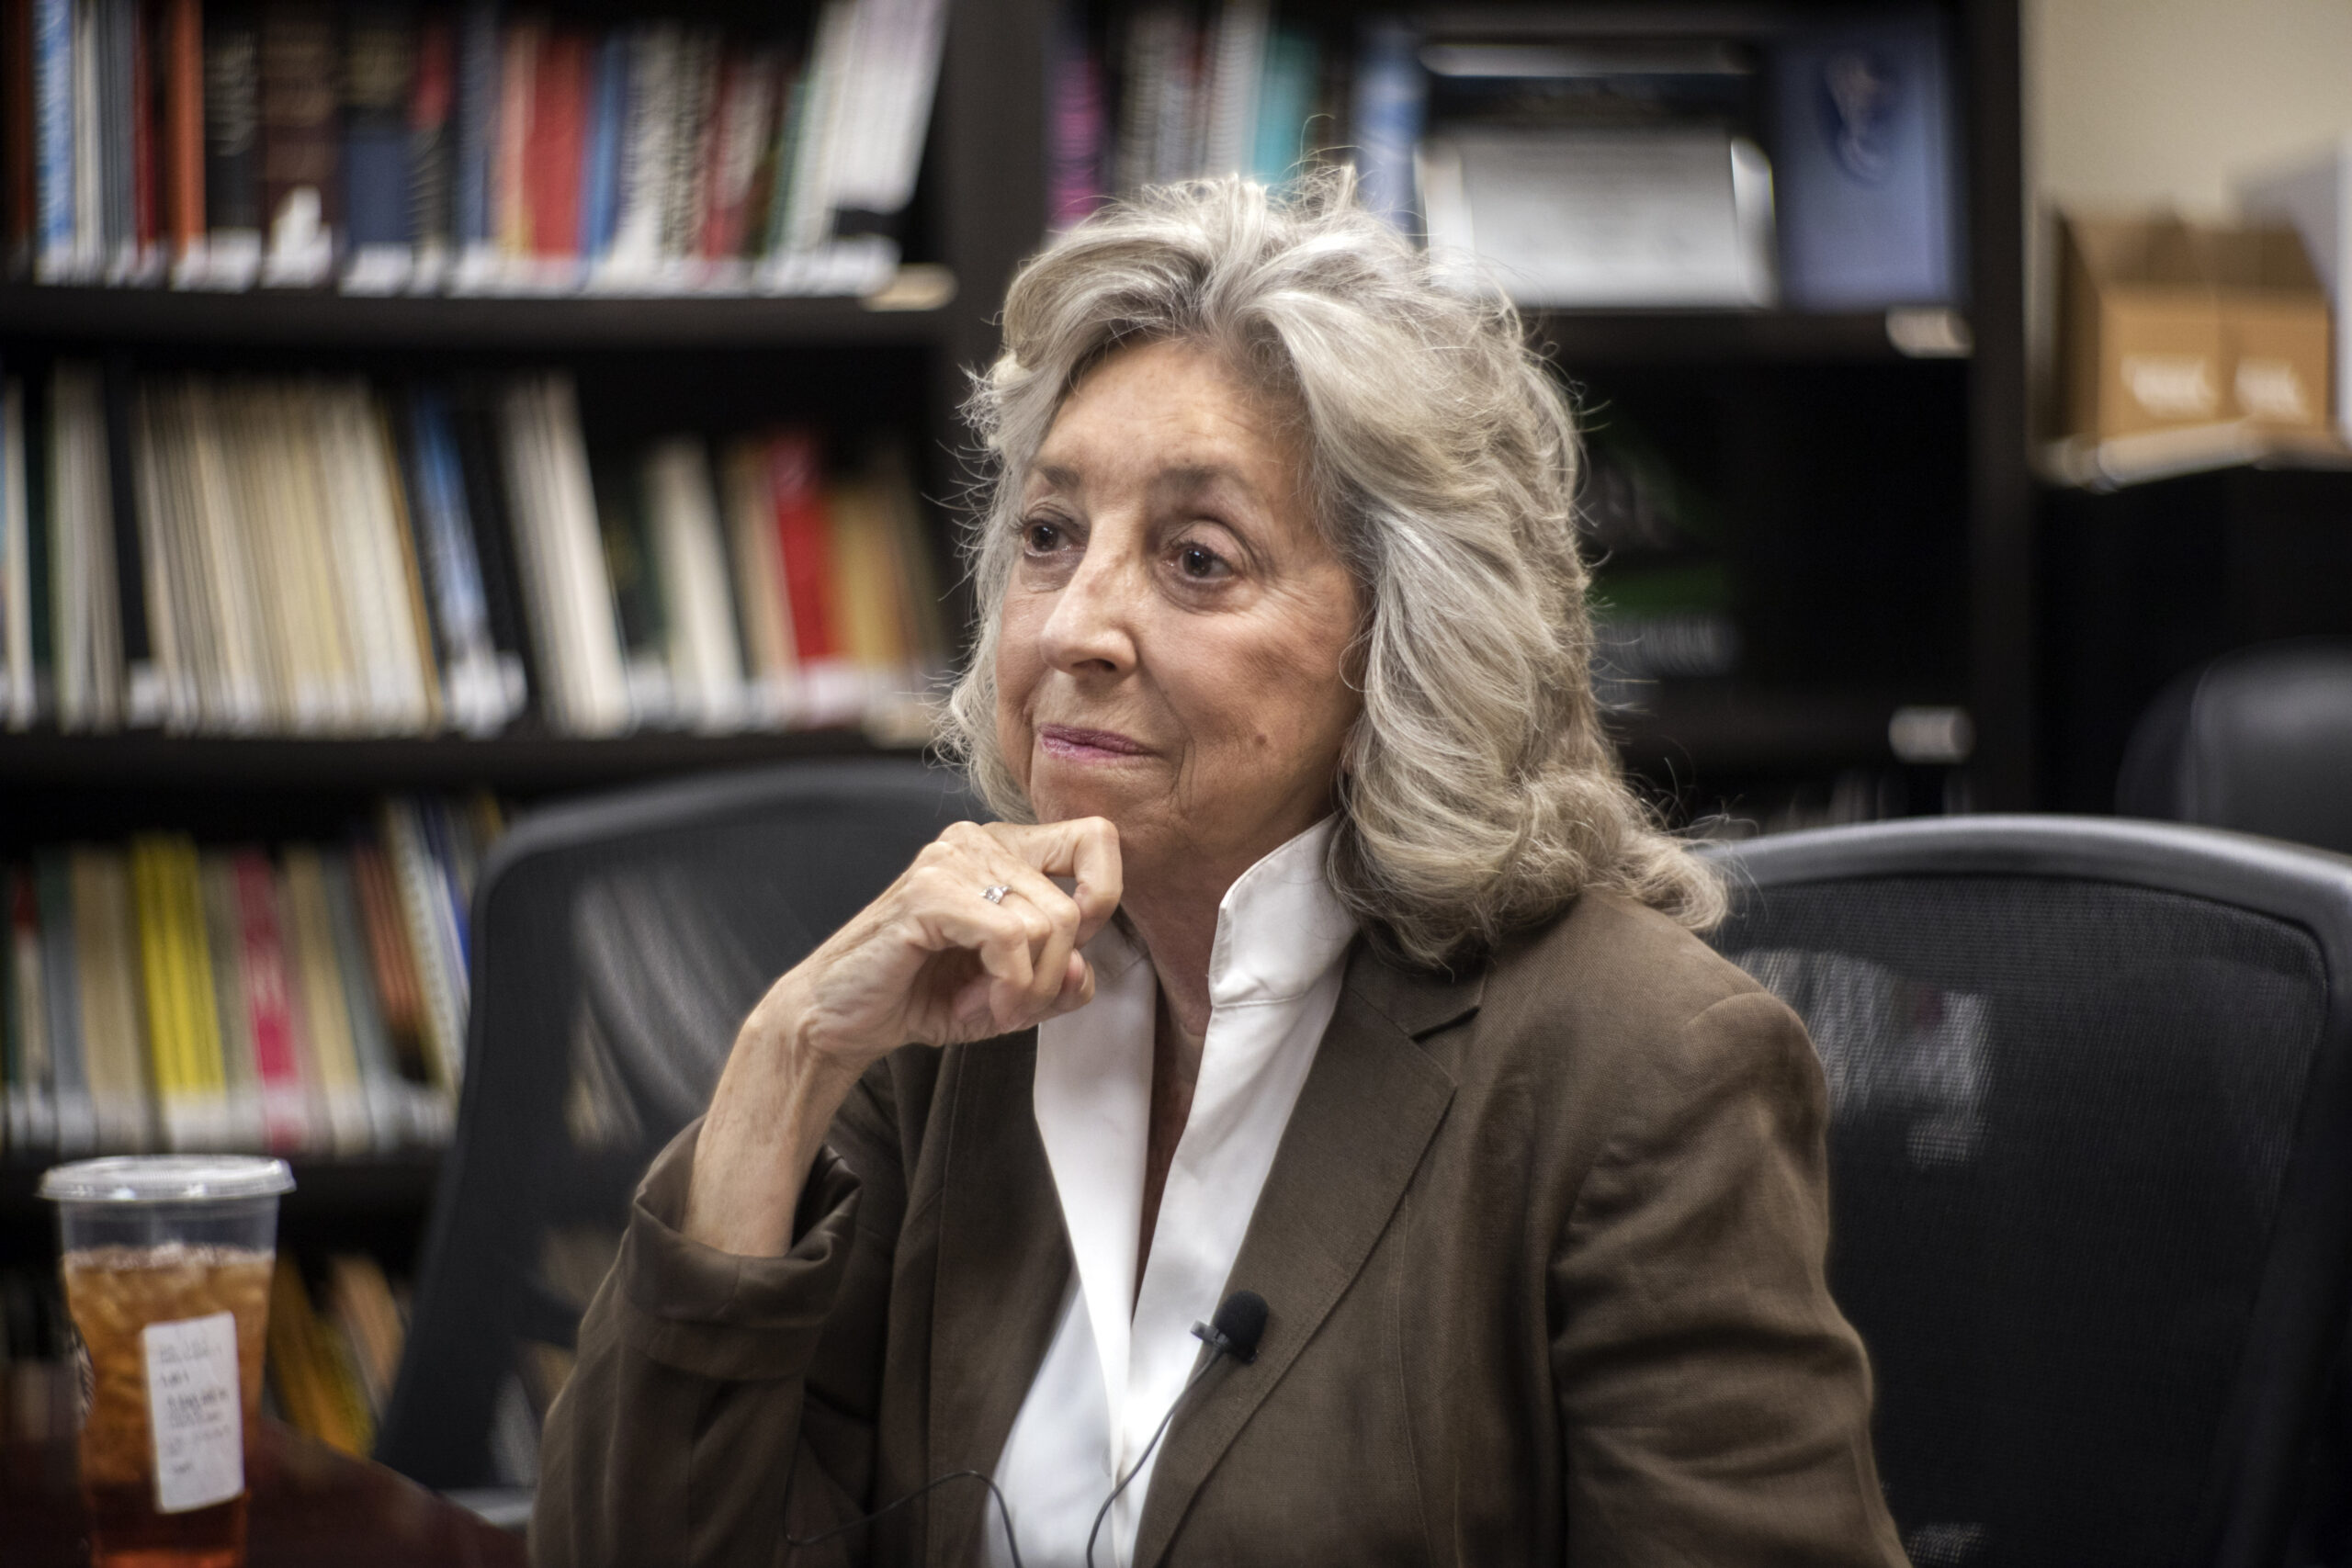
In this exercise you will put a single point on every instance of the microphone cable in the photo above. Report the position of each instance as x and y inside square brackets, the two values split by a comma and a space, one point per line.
[1235, 1332]
[1012, 1543]
[1240, 1323]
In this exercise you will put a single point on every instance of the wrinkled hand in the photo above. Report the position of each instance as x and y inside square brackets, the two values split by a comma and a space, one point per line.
[932, 962]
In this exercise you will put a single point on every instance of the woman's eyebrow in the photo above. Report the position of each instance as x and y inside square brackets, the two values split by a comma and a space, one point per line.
[1059, 475]
[1186, 480]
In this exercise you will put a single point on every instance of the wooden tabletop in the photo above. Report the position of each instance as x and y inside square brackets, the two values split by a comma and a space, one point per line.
[310, 1506]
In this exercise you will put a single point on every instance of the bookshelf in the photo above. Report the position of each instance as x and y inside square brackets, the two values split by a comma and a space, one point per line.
[1875, 494]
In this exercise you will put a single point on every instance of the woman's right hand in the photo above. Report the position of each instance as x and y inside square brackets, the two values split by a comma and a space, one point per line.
[931, 962]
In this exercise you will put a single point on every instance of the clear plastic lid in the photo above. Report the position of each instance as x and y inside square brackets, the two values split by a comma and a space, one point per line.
[166, 1178]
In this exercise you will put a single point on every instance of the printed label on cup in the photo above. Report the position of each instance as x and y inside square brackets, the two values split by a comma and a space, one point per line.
[193, 1406]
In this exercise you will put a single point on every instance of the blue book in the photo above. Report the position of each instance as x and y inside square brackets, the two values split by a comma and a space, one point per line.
[1392, 97]
[379, 67]
[444, 540]
[600, 176]
[52, 44]
[1866, 170]
[477, 122]
[1285, 100]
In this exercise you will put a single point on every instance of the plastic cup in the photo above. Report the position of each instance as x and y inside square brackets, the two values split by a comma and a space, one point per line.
[167, 1261]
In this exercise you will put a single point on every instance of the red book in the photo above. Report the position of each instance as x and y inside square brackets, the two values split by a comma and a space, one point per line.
[510, 209]
[558, 117]
[797, 481]
[269, 1001]
[183, 50]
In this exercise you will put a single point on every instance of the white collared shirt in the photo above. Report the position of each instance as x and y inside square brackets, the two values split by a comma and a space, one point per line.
[1110, 1375]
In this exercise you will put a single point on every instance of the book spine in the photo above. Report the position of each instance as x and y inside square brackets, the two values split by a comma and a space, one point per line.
[378, 80]
[142, 682]
[517, 95]
[705, 662]
[325, 1010]
[17, 565]
[120, 103]
[32, 1075]
[393, 963]
[184, 128]
[300, 150]
[601, 169]
[146, 172]
[78, 1121]
[479, 77]
[105, 939]
[474, 430]
[381, 1089]
[642, 193]
[53, 86]
[269, 1003]
[20, 220]
[233, 206]
[554, 157]
[690, 141]
[1391, 97]
[432, 148]
[224, 942]
[424, 909]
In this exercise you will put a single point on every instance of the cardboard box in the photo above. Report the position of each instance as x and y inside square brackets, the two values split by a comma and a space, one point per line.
[2164, 325]
[2315, 195]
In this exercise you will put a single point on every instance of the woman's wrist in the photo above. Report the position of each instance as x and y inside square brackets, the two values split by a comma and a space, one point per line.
[775, 1103]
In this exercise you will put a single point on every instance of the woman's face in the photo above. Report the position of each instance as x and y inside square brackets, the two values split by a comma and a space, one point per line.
[1171, 648]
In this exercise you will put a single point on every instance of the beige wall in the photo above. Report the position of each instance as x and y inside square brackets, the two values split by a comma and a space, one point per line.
[2134, 103]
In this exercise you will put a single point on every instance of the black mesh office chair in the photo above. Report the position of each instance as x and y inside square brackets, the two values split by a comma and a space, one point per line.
[616, 944]
[2259, 739]
[2092, 1168]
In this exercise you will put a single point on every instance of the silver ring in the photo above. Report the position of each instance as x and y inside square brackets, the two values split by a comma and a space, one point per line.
[996, 895]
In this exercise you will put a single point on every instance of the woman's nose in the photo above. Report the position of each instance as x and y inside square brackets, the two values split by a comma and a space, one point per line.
[1092, 626]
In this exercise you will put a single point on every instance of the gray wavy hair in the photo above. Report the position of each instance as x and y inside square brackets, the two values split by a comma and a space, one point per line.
[1477, 792]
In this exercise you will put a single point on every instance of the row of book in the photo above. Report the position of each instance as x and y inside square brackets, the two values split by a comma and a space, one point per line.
[337, 1330]
[317, 556]
[1579, 160]
[314, 1000]
[395, 147]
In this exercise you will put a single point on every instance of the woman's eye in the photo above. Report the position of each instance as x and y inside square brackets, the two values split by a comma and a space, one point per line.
[1201, 563]
[1042, 537]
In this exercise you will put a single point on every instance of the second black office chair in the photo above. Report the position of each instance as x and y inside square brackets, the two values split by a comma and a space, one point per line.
[2091, 1168]
[617, 946]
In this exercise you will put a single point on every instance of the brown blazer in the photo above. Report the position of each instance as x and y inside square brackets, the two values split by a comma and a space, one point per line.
[1542, 1247]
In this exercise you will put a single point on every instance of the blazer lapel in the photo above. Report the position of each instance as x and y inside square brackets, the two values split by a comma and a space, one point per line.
[1004, 1263]
[1371, 1104]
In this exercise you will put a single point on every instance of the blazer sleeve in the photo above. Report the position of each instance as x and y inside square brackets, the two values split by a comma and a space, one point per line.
[719, 1401]
[1714, 1404]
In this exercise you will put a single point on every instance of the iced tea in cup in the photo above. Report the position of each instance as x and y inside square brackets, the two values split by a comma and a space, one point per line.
[167, 1261]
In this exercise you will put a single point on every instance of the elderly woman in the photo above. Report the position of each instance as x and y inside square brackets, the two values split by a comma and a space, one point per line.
[1321, 952]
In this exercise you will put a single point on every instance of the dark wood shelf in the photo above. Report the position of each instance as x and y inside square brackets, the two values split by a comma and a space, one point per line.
[528, 764]
[397, 1183]
[1583, 338]
[295, 318]
[1710, 728]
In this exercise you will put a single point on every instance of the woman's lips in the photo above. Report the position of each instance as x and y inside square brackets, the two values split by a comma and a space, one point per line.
[1088, 745]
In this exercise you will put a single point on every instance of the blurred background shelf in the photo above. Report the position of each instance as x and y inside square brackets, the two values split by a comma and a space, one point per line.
[528, 764]
[326, 1188]
[1704, 728]
[1715, 337]
[311, 319]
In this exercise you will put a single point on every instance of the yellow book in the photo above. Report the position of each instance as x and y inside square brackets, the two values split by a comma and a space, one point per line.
[314, 1392]
[183, 1018]
[310, 940]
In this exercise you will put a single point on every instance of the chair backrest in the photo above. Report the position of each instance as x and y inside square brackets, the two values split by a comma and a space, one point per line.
[617, 946]
[2091, 1165]
[2259, 739]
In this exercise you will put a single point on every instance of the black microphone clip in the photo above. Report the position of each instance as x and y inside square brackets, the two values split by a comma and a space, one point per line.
[1239, 1323]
